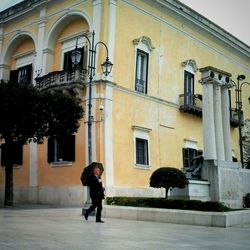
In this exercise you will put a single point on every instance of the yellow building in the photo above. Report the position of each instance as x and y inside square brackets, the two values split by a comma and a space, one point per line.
[146, 113]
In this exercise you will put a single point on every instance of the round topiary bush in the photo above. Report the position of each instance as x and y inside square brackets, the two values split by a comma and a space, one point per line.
[168, 178]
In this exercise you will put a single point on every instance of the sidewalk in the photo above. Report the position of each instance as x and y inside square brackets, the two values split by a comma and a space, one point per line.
[41, 227]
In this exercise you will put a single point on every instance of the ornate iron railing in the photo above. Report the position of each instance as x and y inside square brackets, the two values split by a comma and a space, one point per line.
[191, 103]
[59, 79]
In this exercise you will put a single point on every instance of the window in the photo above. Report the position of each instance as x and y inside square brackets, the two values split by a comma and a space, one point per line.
[67, 63]
[188, 155]
[61, 149]
[16, 154]
[141, 71]
[141, 141]
[22, 75]
[188, 88]
[142, 151]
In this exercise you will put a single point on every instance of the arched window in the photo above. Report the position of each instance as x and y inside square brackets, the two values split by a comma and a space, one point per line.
[190, 68]
[143, 49]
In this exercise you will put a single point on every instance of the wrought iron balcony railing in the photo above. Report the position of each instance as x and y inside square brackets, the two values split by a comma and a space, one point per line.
[191, 103]
[234, 119]
[61, 79]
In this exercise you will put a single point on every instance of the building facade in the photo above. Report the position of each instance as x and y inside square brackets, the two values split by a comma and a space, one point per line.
[146, 114]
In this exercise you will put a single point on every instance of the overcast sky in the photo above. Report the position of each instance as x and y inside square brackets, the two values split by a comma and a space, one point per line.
[232, 15]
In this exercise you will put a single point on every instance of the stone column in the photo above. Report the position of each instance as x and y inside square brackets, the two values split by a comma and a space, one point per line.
[208, 122]
[218, 123]
[226, 122]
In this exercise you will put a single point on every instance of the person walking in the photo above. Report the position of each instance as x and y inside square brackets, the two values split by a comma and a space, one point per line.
[96, 195]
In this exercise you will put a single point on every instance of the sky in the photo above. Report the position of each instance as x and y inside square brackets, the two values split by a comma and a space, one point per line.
[231, 15]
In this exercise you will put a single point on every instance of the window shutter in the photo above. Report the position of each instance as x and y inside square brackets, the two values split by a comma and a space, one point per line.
[69, 148]
[14, 76]
[50, 152]
[28, 74]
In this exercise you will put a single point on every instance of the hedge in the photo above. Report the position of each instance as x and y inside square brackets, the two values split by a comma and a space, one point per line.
[168, 204]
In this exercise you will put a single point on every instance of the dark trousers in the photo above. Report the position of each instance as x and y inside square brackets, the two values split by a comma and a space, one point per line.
[96, 203]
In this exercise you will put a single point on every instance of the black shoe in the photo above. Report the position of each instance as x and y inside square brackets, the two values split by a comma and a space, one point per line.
[100, 221]
[86, 216]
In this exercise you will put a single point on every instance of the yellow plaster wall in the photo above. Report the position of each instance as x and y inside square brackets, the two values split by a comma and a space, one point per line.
[165, 81]
[25, 46]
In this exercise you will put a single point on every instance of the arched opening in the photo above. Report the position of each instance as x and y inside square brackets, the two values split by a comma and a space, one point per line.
[19, 59]
[62, 40]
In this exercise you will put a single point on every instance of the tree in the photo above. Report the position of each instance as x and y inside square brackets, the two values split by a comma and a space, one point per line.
[27, 115]
[168, 178]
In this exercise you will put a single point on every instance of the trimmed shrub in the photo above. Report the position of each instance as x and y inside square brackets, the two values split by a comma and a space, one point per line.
[196, 205]
[168, 178]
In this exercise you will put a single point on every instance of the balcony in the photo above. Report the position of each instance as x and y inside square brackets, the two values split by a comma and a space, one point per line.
[60, 80]
[234, 121]
[191, 103]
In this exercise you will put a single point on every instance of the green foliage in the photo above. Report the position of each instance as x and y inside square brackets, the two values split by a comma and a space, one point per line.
[29, 115]
[167, 204]
[246, 200]
[168, 178]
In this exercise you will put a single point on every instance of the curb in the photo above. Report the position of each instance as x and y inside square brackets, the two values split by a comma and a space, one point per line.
[188, 217]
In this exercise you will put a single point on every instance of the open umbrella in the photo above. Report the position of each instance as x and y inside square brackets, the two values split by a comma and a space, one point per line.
[89, 170]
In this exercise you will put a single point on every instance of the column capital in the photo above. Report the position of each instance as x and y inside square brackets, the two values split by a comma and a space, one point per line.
[214, 76]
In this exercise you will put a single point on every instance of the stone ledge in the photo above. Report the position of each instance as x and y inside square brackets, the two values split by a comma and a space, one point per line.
[212, 219]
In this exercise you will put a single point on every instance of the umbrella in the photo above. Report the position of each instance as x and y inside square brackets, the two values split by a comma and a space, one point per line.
[89, 170]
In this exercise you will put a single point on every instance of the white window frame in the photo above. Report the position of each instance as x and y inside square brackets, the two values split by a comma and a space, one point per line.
[141, 133]
[145, 45]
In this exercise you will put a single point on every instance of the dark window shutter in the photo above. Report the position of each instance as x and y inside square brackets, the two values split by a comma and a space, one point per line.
[50, 152]
[67, 64]
[14, 76]
[68, 148]
[28, 74]
[141, 151]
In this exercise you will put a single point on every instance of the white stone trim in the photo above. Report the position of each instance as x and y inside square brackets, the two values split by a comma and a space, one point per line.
[190, 143]
[190, 66]
[146, 41]
[112, 32]
[141, 133]
[33, 165]
[108, 136]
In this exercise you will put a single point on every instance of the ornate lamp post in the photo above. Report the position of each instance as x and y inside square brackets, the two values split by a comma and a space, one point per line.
[106, 69]
[238, 95]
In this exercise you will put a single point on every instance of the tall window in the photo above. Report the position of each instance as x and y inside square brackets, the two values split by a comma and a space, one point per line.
[67, 63]
[22, 75]
[188, 88]
[188, 155]
[61, 149]
[141, 71]
[142, 151]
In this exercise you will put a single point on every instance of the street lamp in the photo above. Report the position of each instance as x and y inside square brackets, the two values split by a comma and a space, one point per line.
[106, 69]
[238, 94]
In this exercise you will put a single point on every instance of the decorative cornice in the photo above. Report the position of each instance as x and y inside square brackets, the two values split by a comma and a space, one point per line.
[145, 40]
[192, 63]
[26, 53]
[20, 9]
[134, 127]
[204, 23]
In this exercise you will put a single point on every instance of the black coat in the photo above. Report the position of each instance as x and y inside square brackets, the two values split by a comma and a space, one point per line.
[96, 188]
